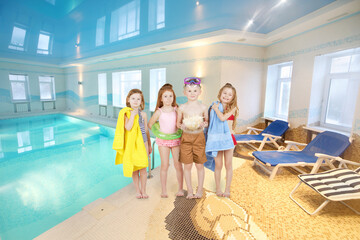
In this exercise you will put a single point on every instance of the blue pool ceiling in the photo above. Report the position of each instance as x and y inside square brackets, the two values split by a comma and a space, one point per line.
[72, 24]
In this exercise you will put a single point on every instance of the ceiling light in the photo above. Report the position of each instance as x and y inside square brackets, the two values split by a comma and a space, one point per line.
[249, 23]
[197, 3]
[241, 40]
[282, 1]
[162, 48]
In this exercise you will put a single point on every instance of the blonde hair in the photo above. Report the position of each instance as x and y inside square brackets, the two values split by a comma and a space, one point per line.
[133, 91]
[164, 88]
[232, 104]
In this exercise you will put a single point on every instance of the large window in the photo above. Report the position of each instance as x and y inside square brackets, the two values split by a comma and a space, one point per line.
[44, 43]
[102, 88]
[19, 88]
[18, 38]
[342, 83]
[122, 83]
[156, 14]
[125, 21]
[283, 90]
[100, 31]
[157, 79]
[278, 90]
[47, 88]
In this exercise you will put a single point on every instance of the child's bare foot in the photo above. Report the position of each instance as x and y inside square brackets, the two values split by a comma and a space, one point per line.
[198, 195]
[190, 196]
[219, 193]
[180, 193]
[144, 195]
[138, 195]
[164, 195]
[226, 194]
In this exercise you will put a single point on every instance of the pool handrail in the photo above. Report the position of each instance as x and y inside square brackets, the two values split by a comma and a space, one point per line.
[152, 162]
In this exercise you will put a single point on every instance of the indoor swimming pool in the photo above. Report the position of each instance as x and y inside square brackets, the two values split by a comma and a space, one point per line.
[50, 167]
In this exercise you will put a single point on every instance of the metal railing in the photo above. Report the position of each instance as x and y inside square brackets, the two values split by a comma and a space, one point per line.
[152, 162]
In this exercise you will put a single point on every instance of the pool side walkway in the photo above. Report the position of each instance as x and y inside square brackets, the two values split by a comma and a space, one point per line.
[122, 216]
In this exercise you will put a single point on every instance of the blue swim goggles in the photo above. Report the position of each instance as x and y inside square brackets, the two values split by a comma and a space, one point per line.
[192, 80]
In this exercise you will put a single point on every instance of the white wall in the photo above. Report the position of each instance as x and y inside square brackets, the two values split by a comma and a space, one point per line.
[242, 66]
[33, 71]
[216, 64]
[200, 61]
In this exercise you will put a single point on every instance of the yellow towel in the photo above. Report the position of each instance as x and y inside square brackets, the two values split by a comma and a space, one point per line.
[129, 145]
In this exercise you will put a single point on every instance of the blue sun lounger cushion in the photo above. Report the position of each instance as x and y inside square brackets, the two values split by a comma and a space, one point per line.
[327, 142]
[270, 134]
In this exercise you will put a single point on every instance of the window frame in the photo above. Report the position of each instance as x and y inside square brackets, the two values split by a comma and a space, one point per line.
[279, 81]
[352, 76]
[116, 22]
[53, 93]
[99, 89]
[100, 31]
[157, 90]
[122, 79]
[49, 50]
[26, 85]
[154, 24]
[17, 47]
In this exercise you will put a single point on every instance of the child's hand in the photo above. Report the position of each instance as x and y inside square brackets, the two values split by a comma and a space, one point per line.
[150, 149]
[215, 106]
[204, 124]
[135, 112]
[182, 126]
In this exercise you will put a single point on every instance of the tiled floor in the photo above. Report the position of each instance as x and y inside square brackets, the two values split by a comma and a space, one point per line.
[122, 216]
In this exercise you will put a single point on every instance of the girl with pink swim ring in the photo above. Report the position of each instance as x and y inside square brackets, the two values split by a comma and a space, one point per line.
[166, 115]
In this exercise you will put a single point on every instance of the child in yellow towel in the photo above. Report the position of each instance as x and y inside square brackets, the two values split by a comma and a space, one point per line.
[132, 141]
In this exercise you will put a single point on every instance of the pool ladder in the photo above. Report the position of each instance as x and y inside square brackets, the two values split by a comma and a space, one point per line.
[152, 162]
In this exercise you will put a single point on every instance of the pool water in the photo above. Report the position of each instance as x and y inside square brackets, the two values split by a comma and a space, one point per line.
[50, 167]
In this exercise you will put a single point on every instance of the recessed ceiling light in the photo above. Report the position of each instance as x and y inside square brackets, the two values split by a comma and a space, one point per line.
[250, 22]
[241, 40]
[197, 3]
[162, 48]
[282, 1]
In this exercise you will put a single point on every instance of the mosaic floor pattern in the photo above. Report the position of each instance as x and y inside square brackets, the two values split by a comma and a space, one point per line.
[210, 217]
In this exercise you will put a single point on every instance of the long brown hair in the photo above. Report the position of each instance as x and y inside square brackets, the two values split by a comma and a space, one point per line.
[133, 91]
[232, 104]
[164, 88]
